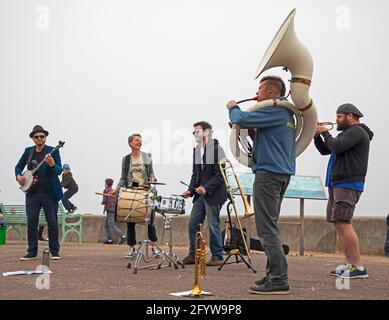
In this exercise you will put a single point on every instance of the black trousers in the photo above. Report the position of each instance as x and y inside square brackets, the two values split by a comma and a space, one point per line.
[152, 232]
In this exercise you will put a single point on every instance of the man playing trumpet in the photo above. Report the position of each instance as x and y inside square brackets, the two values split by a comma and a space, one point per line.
[345, 180]
[274, 158]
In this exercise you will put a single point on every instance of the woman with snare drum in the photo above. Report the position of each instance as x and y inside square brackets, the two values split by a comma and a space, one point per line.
[137, 170]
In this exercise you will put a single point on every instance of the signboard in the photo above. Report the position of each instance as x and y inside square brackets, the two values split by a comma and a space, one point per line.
[305, 187]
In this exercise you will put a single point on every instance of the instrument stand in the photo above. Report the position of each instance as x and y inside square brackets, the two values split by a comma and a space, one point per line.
[143, 253]
[169, 226]
[234, 250]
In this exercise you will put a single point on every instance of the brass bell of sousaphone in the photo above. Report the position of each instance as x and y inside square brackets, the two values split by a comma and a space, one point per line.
[287, 51]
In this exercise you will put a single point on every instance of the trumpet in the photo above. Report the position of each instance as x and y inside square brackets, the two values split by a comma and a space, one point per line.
[200, 256]
[328, 125]
[224, 165]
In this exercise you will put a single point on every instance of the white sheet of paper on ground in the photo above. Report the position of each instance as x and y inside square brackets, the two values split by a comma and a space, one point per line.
[189, 294]
[28, 272]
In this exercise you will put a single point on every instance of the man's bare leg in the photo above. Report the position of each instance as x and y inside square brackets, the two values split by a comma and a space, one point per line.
[349, 242]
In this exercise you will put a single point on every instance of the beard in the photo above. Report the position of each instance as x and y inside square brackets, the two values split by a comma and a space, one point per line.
[342, 126]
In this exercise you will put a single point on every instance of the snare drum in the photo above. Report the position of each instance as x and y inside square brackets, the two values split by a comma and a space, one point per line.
[133, 205]
[172, 205]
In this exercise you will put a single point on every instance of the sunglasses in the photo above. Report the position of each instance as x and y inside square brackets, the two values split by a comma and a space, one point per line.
[39, 137]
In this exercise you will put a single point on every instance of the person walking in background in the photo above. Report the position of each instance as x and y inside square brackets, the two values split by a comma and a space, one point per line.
[71, 186]
[109, 203]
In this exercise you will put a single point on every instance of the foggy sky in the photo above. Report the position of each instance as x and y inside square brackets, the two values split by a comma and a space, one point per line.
[98, 71]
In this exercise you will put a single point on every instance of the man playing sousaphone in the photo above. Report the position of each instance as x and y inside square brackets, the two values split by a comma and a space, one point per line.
[137, 169]
[274, 158]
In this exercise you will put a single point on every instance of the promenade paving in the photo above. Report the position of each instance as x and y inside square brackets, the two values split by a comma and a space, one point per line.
[97, 271]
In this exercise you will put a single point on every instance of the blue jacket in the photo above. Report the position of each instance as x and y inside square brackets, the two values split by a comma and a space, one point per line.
[274, 141]
[48, 176]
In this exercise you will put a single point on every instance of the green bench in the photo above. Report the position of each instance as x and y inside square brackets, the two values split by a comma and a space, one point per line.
[16, 218]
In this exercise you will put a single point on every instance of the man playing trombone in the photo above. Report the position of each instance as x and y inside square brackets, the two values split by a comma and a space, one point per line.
[273, 163]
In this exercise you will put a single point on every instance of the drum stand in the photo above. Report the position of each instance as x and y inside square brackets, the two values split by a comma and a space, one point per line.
[169, 226]
[143, 253]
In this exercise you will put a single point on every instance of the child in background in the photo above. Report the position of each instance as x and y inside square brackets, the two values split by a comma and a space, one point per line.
[71, 187]
[110, 209]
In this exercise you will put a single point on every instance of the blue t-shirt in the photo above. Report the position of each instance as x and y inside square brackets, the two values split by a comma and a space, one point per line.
[349, 185]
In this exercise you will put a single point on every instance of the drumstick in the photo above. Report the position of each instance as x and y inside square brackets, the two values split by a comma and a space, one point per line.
[103, 194]
[184, 183]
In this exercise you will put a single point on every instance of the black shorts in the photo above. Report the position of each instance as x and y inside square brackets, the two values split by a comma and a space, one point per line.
[341, 204]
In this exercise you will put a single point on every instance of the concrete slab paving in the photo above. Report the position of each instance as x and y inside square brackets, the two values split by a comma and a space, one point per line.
[98, 271]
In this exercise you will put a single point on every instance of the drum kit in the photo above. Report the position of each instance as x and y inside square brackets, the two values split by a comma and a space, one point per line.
[136, 204]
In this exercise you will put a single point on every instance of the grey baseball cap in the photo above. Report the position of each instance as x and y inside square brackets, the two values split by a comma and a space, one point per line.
[349, 108]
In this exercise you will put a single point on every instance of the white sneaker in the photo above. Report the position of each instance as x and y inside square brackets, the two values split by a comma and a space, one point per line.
[340, 269]
[132, 254]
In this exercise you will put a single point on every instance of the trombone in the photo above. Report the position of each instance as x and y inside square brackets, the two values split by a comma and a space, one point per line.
[328, 125]
[224, 165]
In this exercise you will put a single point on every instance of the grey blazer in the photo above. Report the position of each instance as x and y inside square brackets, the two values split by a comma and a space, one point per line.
[126, 178]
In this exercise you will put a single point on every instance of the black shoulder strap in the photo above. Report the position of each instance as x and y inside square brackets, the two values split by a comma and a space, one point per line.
[216, 153]
[147, 157]
[30, 158]
[126, 168]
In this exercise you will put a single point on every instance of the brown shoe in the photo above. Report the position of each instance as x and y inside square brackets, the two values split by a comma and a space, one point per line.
[188, 260]
[214, 262]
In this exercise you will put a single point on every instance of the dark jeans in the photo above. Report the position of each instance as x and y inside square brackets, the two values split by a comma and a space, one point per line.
[65, 200]
[201, 209]
[152, 233]
[34, 203]
[269, 190]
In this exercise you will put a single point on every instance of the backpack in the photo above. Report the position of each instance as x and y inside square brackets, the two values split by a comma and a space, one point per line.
[228, 244]
[255, 244]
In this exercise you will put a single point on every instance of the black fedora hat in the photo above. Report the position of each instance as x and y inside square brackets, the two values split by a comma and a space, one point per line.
[38, 128]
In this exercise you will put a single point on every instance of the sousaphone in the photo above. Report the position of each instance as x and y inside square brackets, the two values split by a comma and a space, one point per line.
[287, 51]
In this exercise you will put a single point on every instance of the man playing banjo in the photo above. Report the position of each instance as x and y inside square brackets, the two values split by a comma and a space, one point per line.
[45, 191]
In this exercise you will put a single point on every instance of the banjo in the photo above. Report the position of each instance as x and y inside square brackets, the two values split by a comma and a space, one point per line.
[28, 175]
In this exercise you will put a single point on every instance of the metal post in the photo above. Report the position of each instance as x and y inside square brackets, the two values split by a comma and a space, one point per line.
[301, 227]
[247, 225]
